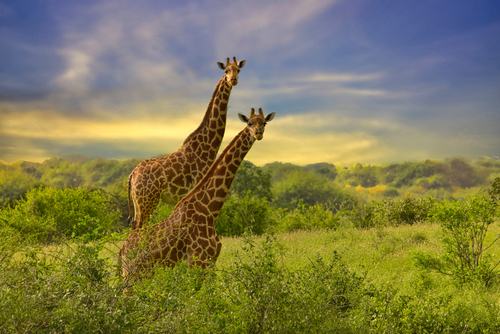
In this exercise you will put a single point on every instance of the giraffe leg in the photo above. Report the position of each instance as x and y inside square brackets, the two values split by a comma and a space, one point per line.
[146, 209]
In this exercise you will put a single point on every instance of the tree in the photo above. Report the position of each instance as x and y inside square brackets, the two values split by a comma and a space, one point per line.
[251, 178]
[309, 187]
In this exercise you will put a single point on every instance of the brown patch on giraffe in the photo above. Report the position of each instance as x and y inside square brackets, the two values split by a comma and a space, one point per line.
[215, 205]
[219, 182]
[221, 193]
[228, 183]
[203, 243]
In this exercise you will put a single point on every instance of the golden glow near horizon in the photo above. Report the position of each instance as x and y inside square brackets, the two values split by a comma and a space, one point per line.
[299, 139]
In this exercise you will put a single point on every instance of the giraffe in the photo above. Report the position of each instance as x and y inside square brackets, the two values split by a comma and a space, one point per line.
[172, 177]
[188, 234]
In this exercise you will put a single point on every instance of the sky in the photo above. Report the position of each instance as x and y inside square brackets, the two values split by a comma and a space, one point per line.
[366, 81]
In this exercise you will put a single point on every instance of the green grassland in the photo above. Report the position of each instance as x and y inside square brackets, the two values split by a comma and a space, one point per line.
[346, 280]
[404, 248]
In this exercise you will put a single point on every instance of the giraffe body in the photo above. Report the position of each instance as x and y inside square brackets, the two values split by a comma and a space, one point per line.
[188, 234]
[172, 177]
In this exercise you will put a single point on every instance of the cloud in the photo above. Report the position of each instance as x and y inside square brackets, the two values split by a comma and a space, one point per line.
[315, 137]
[339, 78]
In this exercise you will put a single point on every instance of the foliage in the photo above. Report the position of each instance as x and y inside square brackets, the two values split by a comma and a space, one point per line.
[494, 191]
[251, 178]
[391, 212]
[402, 211]
[423, 311]
[465, 225]
[161, 213]
[450, 178]
[14, 183]
[67, 290]
[263, 286]
[365, 176]
[309, 187]
[247, 214]
[306, 217]
[279, 170]
[256, 293]
[325, 169]
[46, 214]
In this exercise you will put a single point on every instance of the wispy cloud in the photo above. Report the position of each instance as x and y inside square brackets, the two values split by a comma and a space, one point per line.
[127, 76]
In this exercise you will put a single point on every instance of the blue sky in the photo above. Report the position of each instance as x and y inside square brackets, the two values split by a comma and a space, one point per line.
[350, 80]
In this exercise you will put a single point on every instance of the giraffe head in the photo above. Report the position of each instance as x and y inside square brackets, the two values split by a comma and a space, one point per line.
[232, 70]
[257, 122]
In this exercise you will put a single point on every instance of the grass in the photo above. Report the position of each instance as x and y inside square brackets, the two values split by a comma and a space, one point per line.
[394, 296]
[376, 251]
[383, 254]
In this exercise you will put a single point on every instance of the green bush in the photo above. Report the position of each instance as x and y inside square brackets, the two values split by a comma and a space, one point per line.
[251, 178]
[310, 187]
[464, 227]
[494, 191]
[63, 289]
[161, 213]
[306, 217]
[244, 214]
[390, 212]
[402, 211]
[254, 294]
[46, 214]
[385, 310]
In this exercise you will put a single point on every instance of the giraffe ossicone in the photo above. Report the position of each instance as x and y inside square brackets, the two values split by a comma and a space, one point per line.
[172, 177]
[188, 234]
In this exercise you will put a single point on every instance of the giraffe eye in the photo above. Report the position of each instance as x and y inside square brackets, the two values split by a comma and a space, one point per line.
[226, 71]
[250, 124]
[238, 71]
[264, 123]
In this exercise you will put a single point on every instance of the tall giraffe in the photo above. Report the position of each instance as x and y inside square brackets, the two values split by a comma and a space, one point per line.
[173, 176]
[189, 232]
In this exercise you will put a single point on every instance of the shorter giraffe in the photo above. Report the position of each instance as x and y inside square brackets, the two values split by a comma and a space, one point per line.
[188, 234]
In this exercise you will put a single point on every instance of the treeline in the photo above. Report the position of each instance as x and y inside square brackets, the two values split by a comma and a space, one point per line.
[283, 184]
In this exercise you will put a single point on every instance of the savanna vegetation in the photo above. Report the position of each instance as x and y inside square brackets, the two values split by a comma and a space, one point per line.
[403, 248]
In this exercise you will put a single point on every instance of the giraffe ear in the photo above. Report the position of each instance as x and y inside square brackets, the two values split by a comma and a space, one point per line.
[243, 118]
[221, 65]
[270, 117]
[242, 64]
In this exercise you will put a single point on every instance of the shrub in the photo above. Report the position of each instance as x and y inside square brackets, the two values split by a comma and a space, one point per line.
[464, 227]
[254, 294]
[390, 212]
[402, 211]
[62, 289]
[494, 191]
[244, 214]
[309, 187]
[161, 213]
[270, 298]
[252, 178]
[428, 311]
[306, 217]
[46, 214]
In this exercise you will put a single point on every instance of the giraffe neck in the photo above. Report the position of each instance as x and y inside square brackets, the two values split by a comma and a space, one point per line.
[212, 190]
[212, 128]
